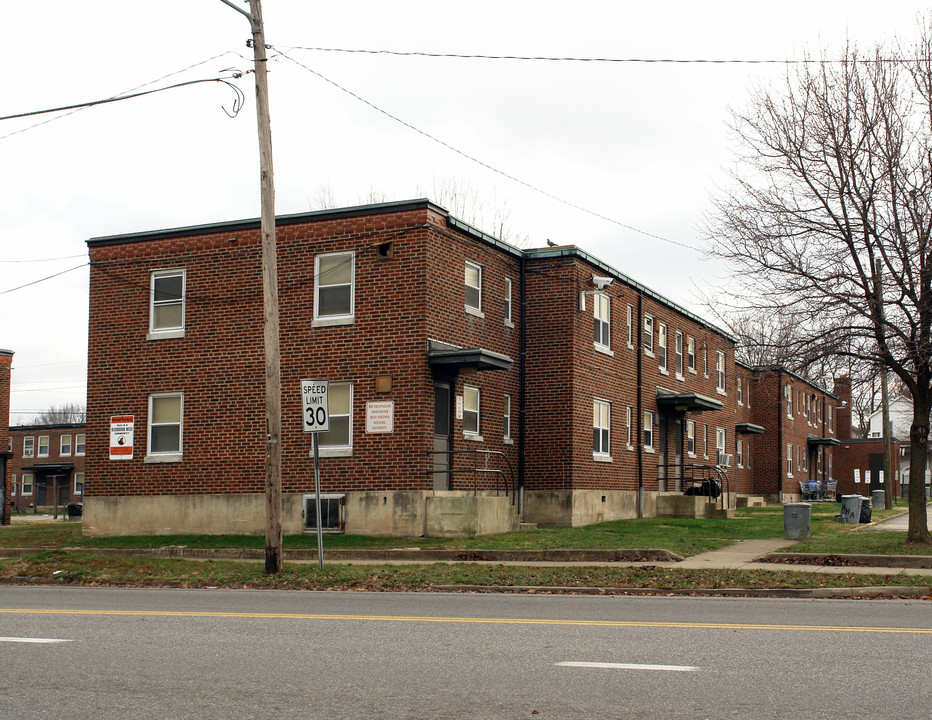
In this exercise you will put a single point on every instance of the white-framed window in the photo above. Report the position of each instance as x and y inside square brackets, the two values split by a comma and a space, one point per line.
[334, 288]
[601, 419]
[719, 443]
[649, 334]
[339, 441]
[27, 484]
[79, 483]
[788, 393]
[740, 391]
[630, 326]
[79, 442]
[705, 441]
[789, 460]
[739, 452]
[628, 427]
[601, 308]
[43, 446]
[13, 486]
[508, 300]
[648, 429]
[705, 362]
[720, 370]
[662, 346]
[691, 353]
[470, 410]
[678, 350]
[828, 463]
[29, 446]
[166, 411]
[507, 418]
[167, 303]
[691, 437]
[473, 287]
[65, 446]
[831, 419]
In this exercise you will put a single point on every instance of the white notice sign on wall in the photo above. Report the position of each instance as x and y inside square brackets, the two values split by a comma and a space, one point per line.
[121, 437]
[380, 416]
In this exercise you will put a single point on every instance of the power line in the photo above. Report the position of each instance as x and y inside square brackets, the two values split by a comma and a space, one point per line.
[65, 257]
[547, 58]
[36, 282]
[484, 164]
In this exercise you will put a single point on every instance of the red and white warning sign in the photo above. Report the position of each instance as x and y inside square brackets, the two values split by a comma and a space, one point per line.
[121, 437]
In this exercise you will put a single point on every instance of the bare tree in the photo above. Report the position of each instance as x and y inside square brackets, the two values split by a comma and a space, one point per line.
[61, 414]
[830, 216]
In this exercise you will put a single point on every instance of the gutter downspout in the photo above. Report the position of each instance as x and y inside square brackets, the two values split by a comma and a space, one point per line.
[640, 418]
[522, 382]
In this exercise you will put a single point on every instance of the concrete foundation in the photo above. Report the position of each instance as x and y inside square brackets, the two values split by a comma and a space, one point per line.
[409, 513]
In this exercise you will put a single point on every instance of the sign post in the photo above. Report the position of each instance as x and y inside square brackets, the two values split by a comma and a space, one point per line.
[315, 399]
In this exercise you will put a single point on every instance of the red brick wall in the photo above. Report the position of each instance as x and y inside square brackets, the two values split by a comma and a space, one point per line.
[6, 360]
[400, 302]
[854, 454]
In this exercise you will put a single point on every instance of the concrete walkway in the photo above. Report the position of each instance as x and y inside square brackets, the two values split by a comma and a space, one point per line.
[900, 522]
[733, 557]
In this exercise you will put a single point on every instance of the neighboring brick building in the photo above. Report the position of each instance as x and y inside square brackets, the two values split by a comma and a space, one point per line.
[6, 445]
[601, 396]
[801, 433]
[47, 466]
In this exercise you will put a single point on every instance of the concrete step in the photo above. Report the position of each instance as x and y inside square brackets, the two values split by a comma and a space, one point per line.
[527, 526]
[750, 501]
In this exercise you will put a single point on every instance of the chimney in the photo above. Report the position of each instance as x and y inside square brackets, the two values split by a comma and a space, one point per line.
[843, 407]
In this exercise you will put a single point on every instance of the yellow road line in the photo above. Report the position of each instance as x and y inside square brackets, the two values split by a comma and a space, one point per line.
[473, 620]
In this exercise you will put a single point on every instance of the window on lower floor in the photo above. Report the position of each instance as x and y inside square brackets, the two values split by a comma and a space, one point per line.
[739, 452]
[789, 460]
[79, 483]
[470, 410]
[628, 426]
[649, 429]
[165, 423]
[601, 417]
[719, 444]
[507, 418]
[691, 437]
[27, 484]
[340, 436]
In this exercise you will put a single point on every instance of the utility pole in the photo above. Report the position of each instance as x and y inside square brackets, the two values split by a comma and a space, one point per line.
[884, 400]
[273, 373]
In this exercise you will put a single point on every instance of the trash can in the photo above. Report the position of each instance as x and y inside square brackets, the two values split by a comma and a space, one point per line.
[865, 510]
[851, 509]
[878, 500]
[75, 510]
[796, 518]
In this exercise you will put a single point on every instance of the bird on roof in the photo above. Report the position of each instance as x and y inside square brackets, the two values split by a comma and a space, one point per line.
[551, 243]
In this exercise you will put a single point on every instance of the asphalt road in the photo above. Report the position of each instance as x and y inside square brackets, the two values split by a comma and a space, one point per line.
[126, 653]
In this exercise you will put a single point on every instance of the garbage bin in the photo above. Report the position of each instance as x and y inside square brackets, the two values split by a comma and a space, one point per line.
[796, 518]
[75, 510]
[878, 500]
[851, 509]
[865, 510]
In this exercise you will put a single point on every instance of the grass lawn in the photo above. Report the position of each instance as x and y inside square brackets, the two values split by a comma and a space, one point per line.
[681, 536]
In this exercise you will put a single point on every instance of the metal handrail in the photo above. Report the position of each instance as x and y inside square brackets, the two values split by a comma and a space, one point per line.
[507, 481]
[694, 474]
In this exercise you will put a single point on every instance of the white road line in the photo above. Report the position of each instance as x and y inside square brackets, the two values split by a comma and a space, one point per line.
[32, 640]
[629, 666]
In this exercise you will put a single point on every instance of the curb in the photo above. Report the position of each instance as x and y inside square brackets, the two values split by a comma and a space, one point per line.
[889, 561]
[878, 592]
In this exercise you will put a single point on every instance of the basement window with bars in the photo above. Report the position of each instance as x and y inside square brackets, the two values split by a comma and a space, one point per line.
[331, 512]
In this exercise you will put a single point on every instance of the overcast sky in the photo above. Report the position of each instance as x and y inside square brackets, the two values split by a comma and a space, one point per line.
[640, 147]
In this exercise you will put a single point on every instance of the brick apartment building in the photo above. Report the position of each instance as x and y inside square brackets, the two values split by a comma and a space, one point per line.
[47, 469]
[6, 444]
[545, 371]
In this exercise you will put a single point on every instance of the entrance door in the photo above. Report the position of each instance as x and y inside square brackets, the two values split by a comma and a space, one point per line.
[678, 454]
[442, 423]
[662, 454]
[875, 465]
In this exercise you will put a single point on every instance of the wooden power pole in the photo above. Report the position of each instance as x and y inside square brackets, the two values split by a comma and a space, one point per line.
[273, 372]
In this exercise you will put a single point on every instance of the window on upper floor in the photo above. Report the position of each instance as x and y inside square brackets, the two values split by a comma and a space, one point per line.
[678, 349]
[29, 446]
[167, 303]
[720, 370]
[830, 418]
[649, 334]
[473, 279]
[43, 446]
[339, 440]
[334, 289]
[788, 393]
[79, 444]
[601, 307]
[471, 411]
[601, 418]
[630, 326]
[508, 320]
[65, 446]
[662, 347]
[691, 353]
[740, 391]
[165, 424]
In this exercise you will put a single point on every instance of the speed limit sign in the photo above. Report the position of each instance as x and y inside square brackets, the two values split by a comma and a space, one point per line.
[314, 398]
